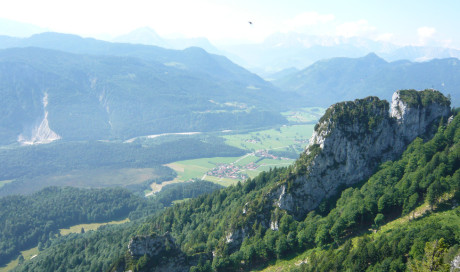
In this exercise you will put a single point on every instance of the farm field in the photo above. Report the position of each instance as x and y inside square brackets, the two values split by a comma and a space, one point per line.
[279, 138]
[198, 168]
[268, 148]
[229, 170]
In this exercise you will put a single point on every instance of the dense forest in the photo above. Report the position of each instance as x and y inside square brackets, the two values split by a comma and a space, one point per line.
[24, 224]
[26, 163]
[426, 174]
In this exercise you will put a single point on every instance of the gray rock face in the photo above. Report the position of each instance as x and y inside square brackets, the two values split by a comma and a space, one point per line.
[164, 254]
[455, 264]
[353, 138]
[150, 245]
[413, 119]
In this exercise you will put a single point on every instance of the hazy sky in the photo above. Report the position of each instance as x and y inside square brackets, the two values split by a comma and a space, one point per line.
[418, 22]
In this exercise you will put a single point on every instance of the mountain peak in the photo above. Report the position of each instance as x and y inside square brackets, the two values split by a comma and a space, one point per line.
[144, 35]
[351, 139]
[373, 57]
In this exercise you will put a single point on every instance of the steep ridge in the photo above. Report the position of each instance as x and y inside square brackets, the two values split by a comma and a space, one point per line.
[353, 138]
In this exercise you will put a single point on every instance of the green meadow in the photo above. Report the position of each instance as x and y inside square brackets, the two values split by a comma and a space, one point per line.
[88, 227]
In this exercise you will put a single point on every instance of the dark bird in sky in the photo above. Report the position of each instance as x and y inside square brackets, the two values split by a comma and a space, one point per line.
[250, 22]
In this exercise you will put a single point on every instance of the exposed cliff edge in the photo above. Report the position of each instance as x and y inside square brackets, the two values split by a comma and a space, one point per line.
[156, 253]
[352, 139]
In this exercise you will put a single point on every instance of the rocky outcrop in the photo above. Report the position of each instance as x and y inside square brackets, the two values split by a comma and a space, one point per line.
[162, 252]
[152, 245]
[352, 139]
[455, 264]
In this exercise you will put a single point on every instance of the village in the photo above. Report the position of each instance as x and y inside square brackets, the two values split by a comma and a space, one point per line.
[235, 171]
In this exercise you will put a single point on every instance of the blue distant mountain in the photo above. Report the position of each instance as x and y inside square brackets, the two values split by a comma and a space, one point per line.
[337, 79]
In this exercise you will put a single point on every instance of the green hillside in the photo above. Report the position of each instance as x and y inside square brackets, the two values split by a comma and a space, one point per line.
[24, 224]
[207, 230]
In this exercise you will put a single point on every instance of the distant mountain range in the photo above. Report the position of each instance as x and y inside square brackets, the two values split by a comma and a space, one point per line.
[285, 50]
[337, 79]
[148, 36]
[103, 90]
[277, 52]
[57, 86]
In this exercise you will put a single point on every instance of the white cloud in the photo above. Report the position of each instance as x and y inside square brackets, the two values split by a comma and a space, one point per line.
[425, 35]
[426, 32]
[384, 37]
[307, 19]
[352, 29]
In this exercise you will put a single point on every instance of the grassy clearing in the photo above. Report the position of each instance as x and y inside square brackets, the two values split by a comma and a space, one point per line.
[27, 254]
[180, 200]
[88, 227]
[3, 182]
[157, 187]
[222, 181]
[286, 264]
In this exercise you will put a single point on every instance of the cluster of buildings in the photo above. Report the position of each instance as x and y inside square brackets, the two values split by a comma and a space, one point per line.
[228, 171]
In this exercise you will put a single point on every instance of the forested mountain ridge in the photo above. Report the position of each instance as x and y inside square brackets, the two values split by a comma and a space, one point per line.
[192, 59]
[342, 79]
[243, 226]
[24, 224]
[48, 94]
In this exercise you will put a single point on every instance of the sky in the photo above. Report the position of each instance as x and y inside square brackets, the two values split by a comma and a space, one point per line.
[402, 22]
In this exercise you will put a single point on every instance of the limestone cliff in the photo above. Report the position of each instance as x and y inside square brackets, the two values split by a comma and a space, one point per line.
[162, 252]
[352, 139]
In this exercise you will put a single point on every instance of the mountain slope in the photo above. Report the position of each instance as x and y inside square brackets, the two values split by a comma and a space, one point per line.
[193, 59]
[329, 81]
[48, 94]
[243, 226]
